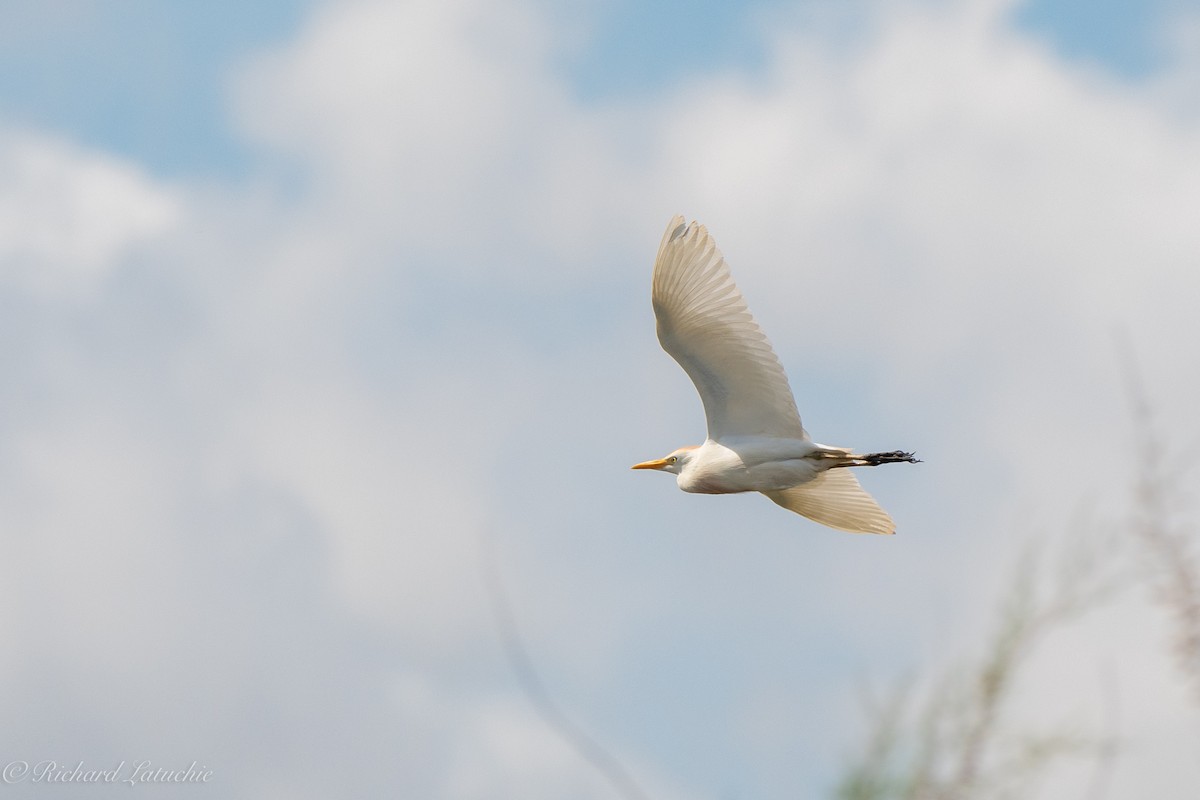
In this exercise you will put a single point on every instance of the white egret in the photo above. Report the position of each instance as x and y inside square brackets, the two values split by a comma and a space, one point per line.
[755, 440]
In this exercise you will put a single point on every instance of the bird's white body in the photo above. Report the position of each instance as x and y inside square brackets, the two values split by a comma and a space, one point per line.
[749, 464]
[756, 442]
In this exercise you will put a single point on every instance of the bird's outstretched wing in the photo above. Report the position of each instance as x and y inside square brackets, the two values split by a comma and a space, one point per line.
[836, 499]
[703, 322]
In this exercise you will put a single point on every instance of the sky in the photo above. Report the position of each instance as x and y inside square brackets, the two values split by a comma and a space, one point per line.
[306, 306]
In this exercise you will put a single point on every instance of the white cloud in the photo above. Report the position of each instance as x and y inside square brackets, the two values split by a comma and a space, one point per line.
[402, 113]
[67, 216]
[290, 432]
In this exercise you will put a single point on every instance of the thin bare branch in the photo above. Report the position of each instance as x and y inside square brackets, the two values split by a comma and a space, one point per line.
[1169, 549]
[531, 684]
[956, 743]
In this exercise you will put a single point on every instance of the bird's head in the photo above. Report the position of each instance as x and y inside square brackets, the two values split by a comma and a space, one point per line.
[672, 463]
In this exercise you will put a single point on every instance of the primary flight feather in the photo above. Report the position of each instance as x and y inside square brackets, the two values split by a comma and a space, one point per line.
[755, 442]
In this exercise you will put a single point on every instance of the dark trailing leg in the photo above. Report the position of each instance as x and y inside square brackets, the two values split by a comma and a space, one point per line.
[894, 457]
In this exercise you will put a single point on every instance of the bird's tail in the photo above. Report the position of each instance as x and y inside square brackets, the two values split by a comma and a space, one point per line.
[835, 498]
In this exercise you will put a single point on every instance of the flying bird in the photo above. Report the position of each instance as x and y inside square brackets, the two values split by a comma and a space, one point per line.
[755, 440]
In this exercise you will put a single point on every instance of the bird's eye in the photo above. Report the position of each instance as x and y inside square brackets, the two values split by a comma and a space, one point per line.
[672, 460]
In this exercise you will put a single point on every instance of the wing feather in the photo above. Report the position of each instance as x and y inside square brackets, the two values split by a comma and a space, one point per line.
[835, 498]
[705, 325]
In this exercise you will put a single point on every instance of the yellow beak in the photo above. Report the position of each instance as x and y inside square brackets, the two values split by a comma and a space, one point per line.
[657, 463]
